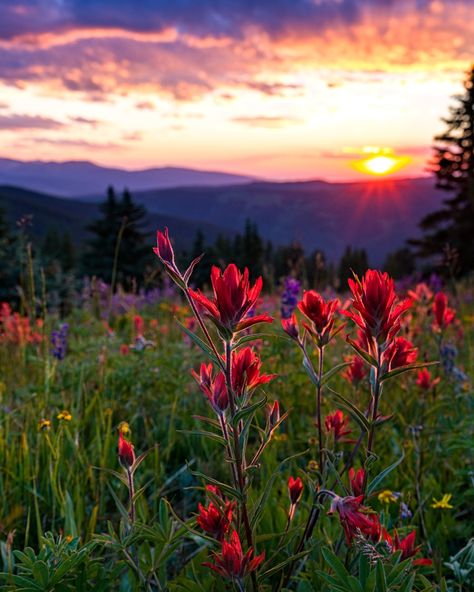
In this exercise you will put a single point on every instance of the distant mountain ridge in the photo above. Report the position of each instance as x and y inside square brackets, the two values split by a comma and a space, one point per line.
[76, 178]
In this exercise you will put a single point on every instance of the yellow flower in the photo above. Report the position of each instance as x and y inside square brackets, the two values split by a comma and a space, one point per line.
[64, 415]
[44, 424]
[443, 503]
[124, 428]
[386, 497]
[312, 441]
[312, 465]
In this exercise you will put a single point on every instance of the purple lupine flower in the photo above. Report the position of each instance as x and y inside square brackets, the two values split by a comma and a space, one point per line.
[290, 297]
[59, 342]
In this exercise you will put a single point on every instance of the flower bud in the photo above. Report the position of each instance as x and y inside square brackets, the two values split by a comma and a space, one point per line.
[126, 453]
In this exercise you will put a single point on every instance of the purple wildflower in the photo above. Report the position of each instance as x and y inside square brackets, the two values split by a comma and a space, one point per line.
[59, 342]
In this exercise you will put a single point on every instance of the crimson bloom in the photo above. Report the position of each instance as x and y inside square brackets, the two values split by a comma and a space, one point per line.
[126, 453]
[406, 546]
[295, 489]
[215, 521]
[356, 518]
[231, 563]
[320, 313]
[356, 371]
[356, 479]
[399, 353]
[246, 371]
[214, 388]
[424, 380]
[443, 315]
[337, 422]
[290, 326]
[233, 299]
[376, 311]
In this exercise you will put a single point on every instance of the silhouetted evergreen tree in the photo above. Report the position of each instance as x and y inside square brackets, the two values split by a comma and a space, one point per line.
[353, 260]
[118, 239]
[252, 249]
[400, 263]
[452, 228]
[9, 276]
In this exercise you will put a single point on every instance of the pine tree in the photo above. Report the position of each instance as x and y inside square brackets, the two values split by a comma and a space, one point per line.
[9, 276]
[352, 261]
[452, 228]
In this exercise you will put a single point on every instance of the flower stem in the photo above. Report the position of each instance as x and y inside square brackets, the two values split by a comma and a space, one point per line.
[131, 492]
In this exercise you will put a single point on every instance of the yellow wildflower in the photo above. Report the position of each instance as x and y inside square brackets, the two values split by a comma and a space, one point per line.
[312, 441]
[312, 465]
[386, 497]
[44, 424]
[124, 428]
[443, 503]
[64, 415]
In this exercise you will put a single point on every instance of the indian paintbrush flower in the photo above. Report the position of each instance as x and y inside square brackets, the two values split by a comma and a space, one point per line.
[443, 315]
[425, 381]
[356, 480]
[337, 423]
[290, 327]
[355, 517]
[405, 545]
[214, 388]
[295, 489]
[214, 520]
[126, 453]
[231, 563]
[246, 372]
[233, 297]
[320, 313]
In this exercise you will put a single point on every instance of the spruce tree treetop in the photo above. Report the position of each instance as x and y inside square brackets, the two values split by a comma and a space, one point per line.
[451, 229]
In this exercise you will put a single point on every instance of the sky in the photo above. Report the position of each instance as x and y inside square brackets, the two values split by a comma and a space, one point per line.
[278, 89]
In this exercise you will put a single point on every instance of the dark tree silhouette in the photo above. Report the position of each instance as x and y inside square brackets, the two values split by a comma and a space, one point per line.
[451, 229]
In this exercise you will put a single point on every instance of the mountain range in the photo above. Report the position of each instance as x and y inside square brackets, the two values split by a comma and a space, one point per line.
[377, 215]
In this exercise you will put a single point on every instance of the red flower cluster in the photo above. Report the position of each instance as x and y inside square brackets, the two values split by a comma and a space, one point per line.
[375, 309]
[356, 518]
[214, 388]
[356, 479]
[246, 372]
[231, 563]
[17, 329]
[400, 352]
[214, 520]
[295, 489]
[443, 315]
[320, 313]
[232, 301]
[406, 546]
[337, 422]
[424, 380]
[126, 453]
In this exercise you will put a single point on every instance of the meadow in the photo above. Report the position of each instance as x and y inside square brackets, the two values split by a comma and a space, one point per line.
[121, 470]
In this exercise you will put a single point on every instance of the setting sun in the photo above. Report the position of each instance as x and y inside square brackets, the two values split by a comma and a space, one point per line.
[380, 162]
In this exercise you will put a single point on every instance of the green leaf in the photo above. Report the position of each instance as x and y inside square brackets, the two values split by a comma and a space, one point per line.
[222, 486]
[352, 409]
[330, 373]
[335, 564]
[204, 434]
[310, 371]
[200, 343]
[404, 369]
[381, 579]
[362, 353]
[381, 476]
[280, 566]
[252, 337]
[248, 410]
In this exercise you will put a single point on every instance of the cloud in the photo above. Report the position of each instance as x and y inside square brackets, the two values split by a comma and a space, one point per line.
[266, 121]
[145, 105]
[15, 122]
[85, 121]
[79, 143]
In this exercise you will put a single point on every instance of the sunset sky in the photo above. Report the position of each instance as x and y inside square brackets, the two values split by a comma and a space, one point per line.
[282, 89]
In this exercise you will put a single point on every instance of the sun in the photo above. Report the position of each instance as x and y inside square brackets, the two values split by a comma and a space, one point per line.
[380, 163]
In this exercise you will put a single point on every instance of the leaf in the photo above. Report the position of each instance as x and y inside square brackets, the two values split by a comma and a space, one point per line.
[248, 410]
[352, 409]
[200, 343]
[310, 371]
[381, 579]
[404, 369]
[335, 564]
[204, 434]
[192, 265]
[333, 371]
[381, 476]
[280, 566]
[362, 353]
[222, 486]
[252, 337]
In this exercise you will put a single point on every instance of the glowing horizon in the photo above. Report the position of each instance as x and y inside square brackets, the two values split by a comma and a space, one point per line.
[299, 91]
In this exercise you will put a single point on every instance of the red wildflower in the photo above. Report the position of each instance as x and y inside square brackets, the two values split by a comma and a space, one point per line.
[443, 315]
[246, 371]
[337, 422]
[357, 481]
[231, 563]
[406, 546]
[424, 381]
[214, 490]
[124, 349]
[356, 371]
[232, 301]
[273, 414]
[126, 453]
[320, 313]
[295, 489]
[355, 517]
[214, 388]
[139, 325]
[400, 352]
[290, 326]
[375, 309]
[215, 521]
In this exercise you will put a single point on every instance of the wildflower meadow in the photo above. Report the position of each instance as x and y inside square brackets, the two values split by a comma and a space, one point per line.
[240, 438]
